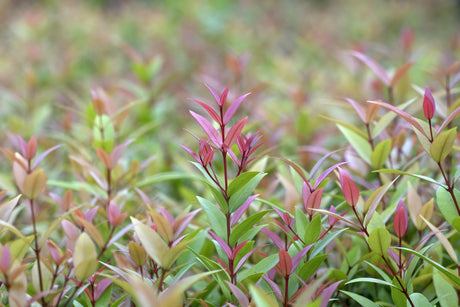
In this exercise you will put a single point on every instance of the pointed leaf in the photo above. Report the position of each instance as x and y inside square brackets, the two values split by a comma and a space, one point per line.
[233, 107]
[374, 66]
[210, 111]
[208, 128]
[234, 133]
[84, 257]
[381, 153]
[400, 72]
[443, 144]
[380, 241]
[155, 247]
[358, 108]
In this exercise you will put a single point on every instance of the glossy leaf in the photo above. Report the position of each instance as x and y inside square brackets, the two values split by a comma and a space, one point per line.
[446, 205]
[208, 128]
[358, 142]
[155, 247]
[380, 241]
[233, 107]
[442, 144]
[215, 216]
[240, 189]
[349, 188]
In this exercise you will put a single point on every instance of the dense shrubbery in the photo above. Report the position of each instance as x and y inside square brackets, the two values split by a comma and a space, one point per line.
[130, 193]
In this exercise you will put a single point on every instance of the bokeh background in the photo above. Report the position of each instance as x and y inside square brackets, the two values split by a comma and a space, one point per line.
[149, 57]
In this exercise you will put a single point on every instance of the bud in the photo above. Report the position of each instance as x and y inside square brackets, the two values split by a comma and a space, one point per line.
[429, 105]
[400, 221]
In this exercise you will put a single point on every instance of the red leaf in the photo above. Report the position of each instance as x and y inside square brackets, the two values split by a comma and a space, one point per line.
[349, 188]
[240, 211]
[403, 114]
[31, 148]
[274, 237]
[326, 173]
[374, 66]
[234, 132]
[285, 263]
[210, 111]
[223, 97]
[233, 107]
[400, 220]
[208, 129]
[240, 296]
[314, 201]
[429, 105]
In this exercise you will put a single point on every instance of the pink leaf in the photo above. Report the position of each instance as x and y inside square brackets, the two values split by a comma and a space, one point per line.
[238, 248]
[31, 148]
[359, 110]
[400, 220]
[194, 155]
[374, 66]
[429, 105]
[222, 244]
[223, 97]
[400, 72]
[240, 296]
[326, 294]
[216, 97]
[210, 111]
[44, 154]
[168, 216]
[306, 192]
[274, 287]
[233, 107]
[326, 173]
[245, 257]
[240, 211]
[448, 119]
[90, 214]
[101, 286]
[298, 257]
[403, 114]
[349, 188]
[234, 132]
[144, 197]
[332, 220]
[5, 259]
[71, 231]
[183, 222]
[208, 129]
[117, 152]
[274, 237]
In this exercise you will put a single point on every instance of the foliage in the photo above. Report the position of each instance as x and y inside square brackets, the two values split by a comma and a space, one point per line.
[284, 196]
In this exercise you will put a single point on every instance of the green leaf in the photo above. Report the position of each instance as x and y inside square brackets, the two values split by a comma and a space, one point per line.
[155, 247]
[119, 301]
[456, 223]
[399, 299]
[245, 226]
[313, 230]
[454, 277]
[360, 144]
[242, 187]
[371, 280]
[19, 247]
[215, 216]
[380, 240]
[446, 204]
[420, 300]
[324, 242]
[363, 301]
[262, 298]
[442, 144]
[446, 292]
[103, 133]
[395, 171]
[84, 257]
[263, 266]
[381, 153]
[310, 267]
[166, 177]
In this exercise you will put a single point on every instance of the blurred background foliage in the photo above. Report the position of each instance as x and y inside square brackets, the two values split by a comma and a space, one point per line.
[149, 57]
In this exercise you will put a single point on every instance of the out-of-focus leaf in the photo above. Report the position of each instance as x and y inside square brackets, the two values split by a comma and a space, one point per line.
[446, 292]
[363, 301]
[449, 119]
[152, 242]
[403, 114]
[442, 144]
[34, 183]
[137, 253]
[395, 171]
[359, 143]
[358, 108]
[370, 280]
[381, 153]
[420, 300]
[400, 72]
[103, 133]
[447, 246]
[452, 276]
[374, 66]
[261, 298]
[84, 257]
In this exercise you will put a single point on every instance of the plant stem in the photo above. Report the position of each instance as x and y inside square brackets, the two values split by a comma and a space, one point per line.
[37, 251]
[286, 291]
[360, 222]
[450, 187]
[403, 289]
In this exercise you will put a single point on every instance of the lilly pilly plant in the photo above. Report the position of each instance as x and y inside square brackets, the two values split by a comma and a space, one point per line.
[225, 172]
